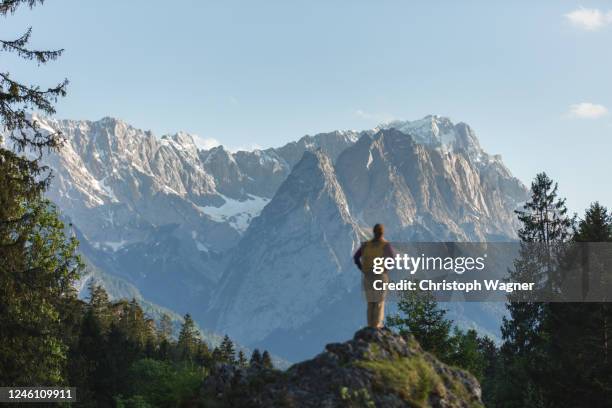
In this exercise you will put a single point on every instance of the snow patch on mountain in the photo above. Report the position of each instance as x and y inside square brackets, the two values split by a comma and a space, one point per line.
[238, 213]
[370, 160]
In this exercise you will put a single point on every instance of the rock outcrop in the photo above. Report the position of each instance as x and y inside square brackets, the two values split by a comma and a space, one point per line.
[377, 368]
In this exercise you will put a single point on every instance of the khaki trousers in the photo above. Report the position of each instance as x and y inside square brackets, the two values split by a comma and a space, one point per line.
[375, 300]
[376, 314]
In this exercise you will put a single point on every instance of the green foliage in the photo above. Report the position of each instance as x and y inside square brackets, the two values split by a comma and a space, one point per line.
[544, 217]
[577, 335]
[99, 305]
[422, 318]
[37, 274]
[137, 401]
[164, 327]
[544, 223]
[596, 226]
[17, 98]
[491, 374]
[38, 263]
[188, 340]
[242, 360]
[256, 358]
[554, 354]
[266, 360]
[412, 378]
[468, 352]
[119, 357]
[226, 350]
[356, 398]
[163, 384]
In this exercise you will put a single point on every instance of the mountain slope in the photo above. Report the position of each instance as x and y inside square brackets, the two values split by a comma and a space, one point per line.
[298, 245]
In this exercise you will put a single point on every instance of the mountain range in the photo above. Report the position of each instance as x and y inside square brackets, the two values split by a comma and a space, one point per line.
[257, 244]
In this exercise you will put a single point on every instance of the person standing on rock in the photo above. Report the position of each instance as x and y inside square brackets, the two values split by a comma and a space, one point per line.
[377, 247]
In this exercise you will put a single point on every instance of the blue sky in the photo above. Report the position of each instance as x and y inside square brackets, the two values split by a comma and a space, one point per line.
[532, 78]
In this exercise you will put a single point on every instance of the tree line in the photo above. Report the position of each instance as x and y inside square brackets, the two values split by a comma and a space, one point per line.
[119, 356]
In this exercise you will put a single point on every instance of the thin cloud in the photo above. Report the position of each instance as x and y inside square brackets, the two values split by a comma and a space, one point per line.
[589, 19]
[205, 143]
[246, 148]
[378, 117]
[587, 110]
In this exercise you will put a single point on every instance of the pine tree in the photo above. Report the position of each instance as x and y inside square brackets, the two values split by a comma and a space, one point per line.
[491, 375]
[189, 339]
[228, 354]
[99, 304]
[84, 357]
[135, 327]
[266, 360]
[544, 216]
[164, 336]
[203, 355]
[256, 359]
[467, 353]
[39, 265]
[422, 318]
[217, 355]
[545, 226]
[164, 327]
[38, 269]
[242, 361]
[596, 226]
[18, 98]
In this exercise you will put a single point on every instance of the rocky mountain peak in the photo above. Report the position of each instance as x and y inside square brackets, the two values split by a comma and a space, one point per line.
[315, 163]
[217, 153]
[313, 182]
[184, 139]
[376, 368]
[333, 143]
[441, 132]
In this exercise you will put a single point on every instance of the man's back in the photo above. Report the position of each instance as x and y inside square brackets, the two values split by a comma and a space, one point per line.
[371, 250]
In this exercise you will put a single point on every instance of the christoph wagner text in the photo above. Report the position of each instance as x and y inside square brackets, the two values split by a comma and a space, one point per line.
[428, 285]
[413, 264]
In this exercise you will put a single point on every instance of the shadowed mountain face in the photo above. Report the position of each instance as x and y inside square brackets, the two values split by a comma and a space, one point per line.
[258, 244]
[295, 254]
